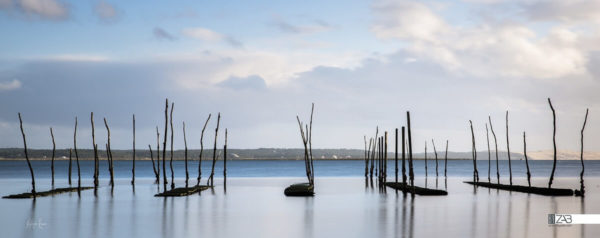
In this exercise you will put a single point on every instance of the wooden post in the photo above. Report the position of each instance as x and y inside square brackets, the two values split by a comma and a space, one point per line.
[436, 158]
[396, 154]
[171, 161]
[185, 156]
[53, 156]
[95, 152]
[373, 152]
[212, 171]
[553, 142]
[582, 187]
[153, 164]
[508, 150]
[367, 157]
[410, 158]
[403, 158]
[496, 146]
[475, 172]
[157, 156]
[385, 158]
[109, 154]
[76, 155]
[526, 160]
[27, 157]
[446, 161]
[312, 168]
[487, 137]
[425, 159]
[225, 161]
[70, 159]
[164, 154]
[201, 151]
[133, 162]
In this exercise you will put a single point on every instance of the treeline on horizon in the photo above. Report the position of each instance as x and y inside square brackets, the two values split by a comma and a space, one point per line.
[232, 154]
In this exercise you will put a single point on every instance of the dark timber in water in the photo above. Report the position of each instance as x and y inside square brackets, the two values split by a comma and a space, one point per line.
[164, 153]
[508, 152]
[182, 191]
[53, 155]
[133, 162]
[201, 151]
[210, 180]
[171, 161]
[526, 189]
[526, 160]
[496, 146]
[581, 191]
[553, 142]
[305, 189]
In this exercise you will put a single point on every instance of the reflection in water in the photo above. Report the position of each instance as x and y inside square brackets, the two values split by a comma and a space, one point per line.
[308, 217]
[260, 202]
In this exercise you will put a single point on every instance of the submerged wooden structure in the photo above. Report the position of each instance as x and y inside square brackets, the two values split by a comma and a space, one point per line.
[410, 187]
[305, 189]
[549, 191]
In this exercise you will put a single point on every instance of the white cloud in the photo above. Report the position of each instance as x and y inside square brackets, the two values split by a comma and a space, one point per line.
[486, 49]
[202, 34]
[106, 11]
[51, 9]
[10, 85]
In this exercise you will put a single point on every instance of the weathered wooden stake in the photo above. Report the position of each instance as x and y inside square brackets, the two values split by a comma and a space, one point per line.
[582, 187]
[496, 146]
[373, 152]
[185, 156]
[109, 154]
[526, 160]
[225, 161]
[508, 150]
[201, 151]
[157, 156]
[396, 154]
[212, 171]
[425, 159]
[133, 162]
[475, 172]
[76, 155]
[553, 142]
[436, 158]
[27, 157]
[487, 137]
[366, 158]
[385, 158]
[172, 138]
[96, 162]
[410, 157]
[312, 168]
[153, 164]
[53, 155]
[164, 154]
[70, 159]
[403, 158]
[446, 161]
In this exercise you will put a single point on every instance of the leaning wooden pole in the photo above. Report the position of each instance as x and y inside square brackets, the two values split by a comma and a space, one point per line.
[582, 187]
[487, 137]
[366, 158]
[426, 159]
[164, 154]
[185, 157]
[153, 164]
[27, 156]
[76, 155]
[172, 137]
[508, 152]
[201, 151]
[553, 142]
[109, 154]
[410, 157]
[212, 171]
[70, 159]
[385, 158]
[496, 146]
[436, 158]
[312, 167]
[54, 155]
[475, 172]
[133, 162]
[526, 160]
[373, 152]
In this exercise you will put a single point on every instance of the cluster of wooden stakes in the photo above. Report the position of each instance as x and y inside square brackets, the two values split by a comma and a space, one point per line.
[179, 191]
[376, 158]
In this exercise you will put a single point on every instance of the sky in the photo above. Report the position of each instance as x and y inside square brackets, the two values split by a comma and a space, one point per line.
[261, 63]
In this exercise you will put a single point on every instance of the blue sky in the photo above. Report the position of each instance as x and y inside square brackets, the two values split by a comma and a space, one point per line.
[260, 63]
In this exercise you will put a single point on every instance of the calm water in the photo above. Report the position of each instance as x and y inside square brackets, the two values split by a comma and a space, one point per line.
[254, 205]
